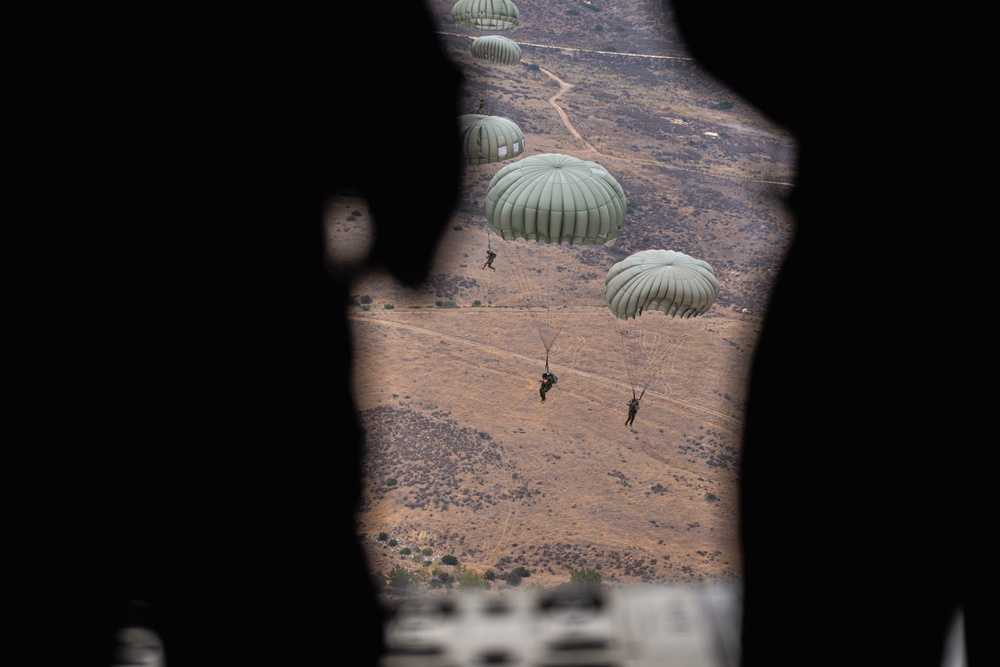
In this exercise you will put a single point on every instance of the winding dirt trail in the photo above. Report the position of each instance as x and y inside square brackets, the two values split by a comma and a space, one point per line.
[565, 88]
[587, 147]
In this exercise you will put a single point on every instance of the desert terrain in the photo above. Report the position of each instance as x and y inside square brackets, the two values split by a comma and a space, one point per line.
[462, 457]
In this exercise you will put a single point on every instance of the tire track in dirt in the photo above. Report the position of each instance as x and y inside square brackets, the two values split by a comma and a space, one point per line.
[573, 49]
[728, 421]
[498, 539]
[513, 518]
[516, 524]
[517, 519]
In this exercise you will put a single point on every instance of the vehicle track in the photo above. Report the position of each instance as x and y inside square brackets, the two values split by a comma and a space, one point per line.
[727, 421]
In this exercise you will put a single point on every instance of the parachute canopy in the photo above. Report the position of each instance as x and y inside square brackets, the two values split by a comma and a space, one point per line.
[555, 198]
[486, 14]
[663, 280]
[496, 49]
[489, 138]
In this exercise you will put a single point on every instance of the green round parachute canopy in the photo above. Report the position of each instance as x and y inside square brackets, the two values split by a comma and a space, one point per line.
[496, 49]
[663, 280]
[486, 14]
[489, 138]
[555, 198]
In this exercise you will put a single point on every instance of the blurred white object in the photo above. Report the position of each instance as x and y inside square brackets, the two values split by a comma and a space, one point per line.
[139, 647]
[658, 626]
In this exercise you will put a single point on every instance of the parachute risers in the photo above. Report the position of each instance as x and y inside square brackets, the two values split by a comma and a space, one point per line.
[642, 284]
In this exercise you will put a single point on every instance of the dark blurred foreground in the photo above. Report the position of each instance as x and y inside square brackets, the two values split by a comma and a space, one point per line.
[876, 535]
[192, 457]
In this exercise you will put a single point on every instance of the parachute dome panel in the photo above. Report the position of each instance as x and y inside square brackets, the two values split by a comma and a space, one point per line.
[663, 280]
[486, 14]
[555, 198]
[489, 138]
[496, 49]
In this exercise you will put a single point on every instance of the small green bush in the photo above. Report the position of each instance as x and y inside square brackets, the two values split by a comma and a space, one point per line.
[617, 251]
[473, 581]
[585, 577]
[449, 560]
[400, 579]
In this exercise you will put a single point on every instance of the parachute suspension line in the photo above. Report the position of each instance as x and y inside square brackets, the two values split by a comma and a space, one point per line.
[488, 235]
[646, 347]
[535, 295]
[563, 297]
[653, 287]
[546, 361]
[628, 359]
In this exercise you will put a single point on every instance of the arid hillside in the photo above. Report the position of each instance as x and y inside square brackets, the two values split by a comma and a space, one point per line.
[462, 456]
